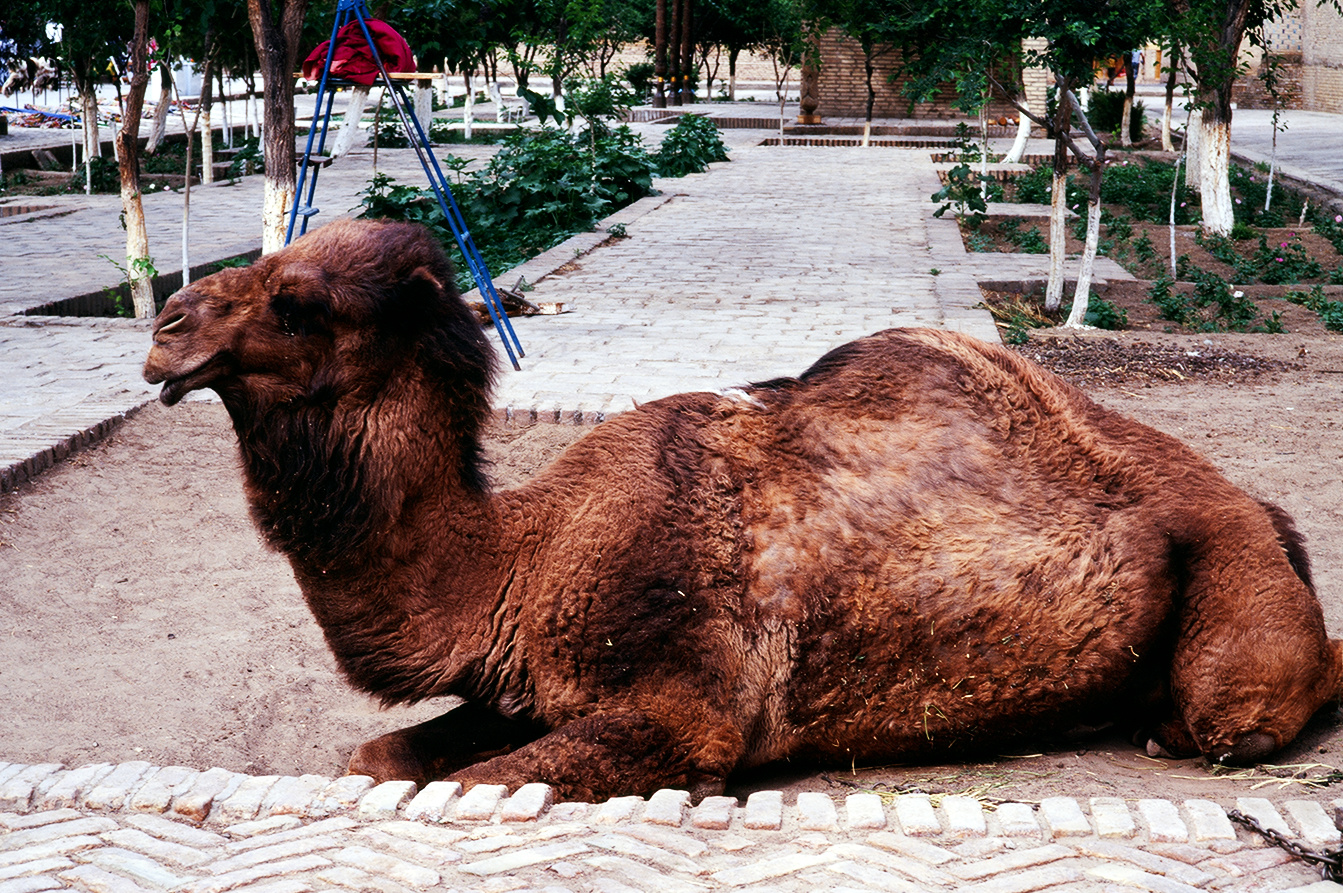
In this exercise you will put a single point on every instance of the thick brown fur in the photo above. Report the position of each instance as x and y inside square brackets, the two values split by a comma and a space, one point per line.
[922, 544]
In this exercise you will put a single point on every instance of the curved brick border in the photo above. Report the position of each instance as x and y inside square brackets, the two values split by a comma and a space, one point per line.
[132, 827]
[218, 796]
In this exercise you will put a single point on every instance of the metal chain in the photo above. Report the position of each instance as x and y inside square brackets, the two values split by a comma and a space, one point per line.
[1329, 862]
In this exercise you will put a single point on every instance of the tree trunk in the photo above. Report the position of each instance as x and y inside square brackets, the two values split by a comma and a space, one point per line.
[688, 71]
[1058, 205]
[88, 103]
[674, 53]
[160, 125]
[139, 269]
[1193, 150]
[1014, 155]
[1130, 86]
[277, 27]
[1215, 174]
[1082, 293]
[660, 55]
[354, 114]
[207, 130]
[469, 106]
[1167, 144]
[732, 74]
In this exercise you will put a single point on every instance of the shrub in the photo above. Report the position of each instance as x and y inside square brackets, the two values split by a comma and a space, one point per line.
[1033, 188]
[1104, 315]
[1285, 263]
[1105, 111]
[541, 187]
[690, 147]
[639, 75]
[1144, 188]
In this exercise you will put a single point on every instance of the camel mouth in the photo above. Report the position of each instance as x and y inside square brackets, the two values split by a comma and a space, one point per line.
[178, 385]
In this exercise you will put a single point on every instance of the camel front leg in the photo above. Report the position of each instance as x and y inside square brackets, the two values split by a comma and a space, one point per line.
[602, 756]
[438, 747]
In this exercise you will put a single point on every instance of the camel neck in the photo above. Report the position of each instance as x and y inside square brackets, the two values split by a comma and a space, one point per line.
[401, 555]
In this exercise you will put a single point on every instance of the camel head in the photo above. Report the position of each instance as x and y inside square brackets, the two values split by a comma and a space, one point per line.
[328, 356]
[326, 321]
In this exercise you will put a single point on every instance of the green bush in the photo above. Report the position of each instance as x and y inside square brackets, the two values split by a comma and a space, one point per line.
[1144, 188]
[690, 147]
[639, 75]
[542, 187]
[1105, 111]
[1285, 263]
[1104, 315]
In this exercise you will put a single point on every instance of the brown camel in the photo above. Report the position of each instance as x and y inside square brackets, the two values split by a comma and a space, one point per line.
[924, 544]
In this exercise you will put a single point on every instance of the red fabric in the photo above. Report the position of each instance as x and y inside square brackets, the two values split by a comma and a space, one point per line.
[353, 61]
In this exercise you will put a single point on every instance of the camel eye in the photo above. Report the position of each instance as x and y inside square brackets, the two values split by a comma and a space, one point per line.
[298, 317]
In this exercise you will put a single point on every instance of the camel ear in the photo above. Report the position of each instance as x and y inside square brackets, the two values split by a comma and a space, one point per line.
[416, 299]
[301, 300]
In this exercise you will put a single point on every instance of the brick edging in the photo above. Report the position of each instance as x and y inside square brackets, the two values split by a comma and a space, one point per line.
[220, 797]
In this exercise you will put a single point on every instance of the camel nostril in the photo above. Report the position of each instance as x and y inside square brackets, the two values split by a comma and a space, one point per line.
[171, 324]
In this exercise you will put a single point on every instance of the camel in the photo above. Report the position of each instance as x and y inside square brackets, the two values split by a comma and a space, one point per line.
[923, 545]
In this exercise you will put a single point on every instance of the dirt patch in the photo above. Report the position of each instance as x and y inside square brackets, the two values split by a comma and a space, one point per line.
[145, 620]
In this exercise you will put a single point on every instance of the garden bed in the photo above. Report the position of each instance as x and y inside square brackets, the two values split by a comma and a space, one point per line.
[1272, 275]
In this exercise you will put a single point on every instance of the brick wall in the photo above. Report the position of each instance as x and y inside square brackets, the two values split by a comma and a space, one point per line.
[1248, 91]
[843, 86]
[1322, 58]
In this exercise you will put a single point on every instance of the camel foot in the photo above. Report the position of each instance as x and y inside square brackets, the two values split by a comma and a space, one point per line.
[598, 757]
[438, 747]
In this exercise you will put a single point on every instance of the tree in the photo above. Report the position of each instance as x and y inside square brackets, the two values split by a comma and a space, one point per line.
[876, 29]
[139, 268]
[277, 29]
[959, 42]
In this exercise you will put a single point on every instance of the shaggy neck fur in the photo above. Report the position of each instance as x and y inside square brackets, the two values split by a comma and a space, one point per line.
[346, 488]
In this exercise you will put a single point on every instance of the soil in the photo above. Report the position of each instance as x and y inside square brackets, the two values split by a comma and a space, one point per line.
[147, 621]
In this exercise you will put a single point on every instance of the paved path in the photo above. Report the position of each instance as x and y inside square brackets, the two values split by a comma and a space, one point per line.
[748, 271]
[135, 827]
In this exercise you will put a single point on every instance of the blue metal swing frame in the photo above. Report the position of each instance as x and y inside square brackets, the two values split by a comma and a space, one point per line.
[357, 10]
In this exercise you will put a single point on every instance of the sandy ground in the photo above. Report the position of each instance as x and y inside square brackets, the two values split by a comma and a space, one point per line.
[141, 617]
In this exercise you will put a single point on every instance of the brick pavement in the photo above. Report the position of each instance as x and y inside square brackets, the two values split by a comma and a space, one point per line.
[135, 827]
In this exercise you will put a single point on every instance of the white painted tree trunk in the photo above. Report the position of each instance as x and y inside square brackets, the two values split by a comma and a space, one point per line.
[497, 94]
[1058, 240]
[1018, 149]
[1125, 122]
[469, 107]
[92, 145]
[277, 198]
[139, 269]
[1193, 149]
[1082, 293]
[1167, 144]
[1214, 177]
[207, 147]
[349, 129]
[160, 125]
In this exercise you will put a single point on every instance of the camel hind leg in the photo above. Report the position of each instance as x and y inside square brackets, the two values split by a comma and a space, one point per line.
[1251, 662]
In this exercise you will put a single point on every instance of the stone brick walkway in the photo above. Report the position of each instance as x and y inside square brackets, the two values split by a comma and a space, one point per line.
[135, 827]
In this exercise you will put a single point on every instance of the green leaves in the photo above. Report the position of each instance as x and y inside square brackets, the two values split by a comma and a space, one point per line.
[690, 147]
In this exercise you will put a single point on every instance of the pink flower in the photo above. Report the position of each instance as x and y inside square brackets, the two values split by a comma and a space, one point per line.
[1237, 201]
[1278, 259]
[1283, 245]
[1338, 218]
